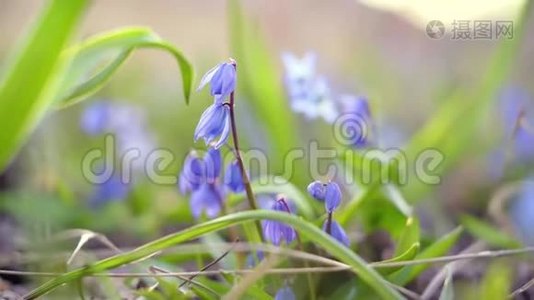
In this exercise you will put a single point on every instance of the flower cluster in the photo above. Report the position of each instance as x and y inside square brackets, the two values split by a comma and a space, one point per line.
[201, 178]
[214, 126]
[278, 232]
[311, 96]
[330, 194]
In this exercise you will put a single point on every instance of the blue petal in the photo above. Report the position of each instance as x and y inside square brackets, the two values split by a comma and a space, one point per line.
[233, 178]
[208, 199]
[208, 76]
[212, 162]
[226, 129]
[337, 232]
[317, 190]
[204, 122]
[223, 82]
[332, 196]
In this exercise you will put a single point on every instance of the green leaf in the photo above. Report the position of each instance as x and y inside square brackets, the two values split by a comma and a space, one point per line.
[409, 254]
[306, 229]
[31, 81]
[438, 248]
[86, 75]
[447, 292]
[488, 233]
[496, 282]
[408, 237]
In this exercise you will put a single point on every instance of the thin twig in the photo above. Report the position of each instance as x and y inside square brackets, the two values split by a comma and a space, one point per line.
[155, 270]
[522, 289]
[214, 262]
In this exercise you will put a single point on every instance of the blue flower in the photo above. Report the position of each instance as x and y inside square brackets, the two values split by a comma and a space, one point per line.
[285, 293]
[317, 190]
[222, 79]
[197, 171]
[192, 174]
[358, 114]
[337, 232]
[113, 189]
[309, 93]
[233, 178]
[278, 232]
[214, 124]
[329, 193]
[208, 199]
[212, 164]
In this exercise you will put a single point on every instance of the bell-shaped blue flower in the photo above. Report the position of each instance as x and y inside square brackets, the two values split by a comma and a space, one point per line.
[278, 232]
[207, 199]
[214, 125]
[337, 232]
[233, 178]
[332, 196]
[192, 174]
[285, 293]
[222, 79]
[317, 190]
[329, 193]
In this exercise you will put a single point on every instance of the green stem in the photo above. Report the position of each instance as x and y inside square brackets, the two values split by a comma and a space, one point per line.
[244, 175]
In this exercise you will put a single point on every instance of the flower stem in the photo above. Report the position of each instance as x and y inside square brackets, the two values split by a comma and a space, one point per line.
[329, 223]
[237, 153]
[244, 175]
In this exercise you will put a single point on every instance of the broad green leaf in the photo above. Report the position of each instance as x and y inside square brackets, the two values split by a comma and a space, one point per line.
[438, 248]
[409, 254]
[306, 229]
[488, 233]
[408, 237]
[447, 292]
[86, 75]
[31, 82]
[496, 281]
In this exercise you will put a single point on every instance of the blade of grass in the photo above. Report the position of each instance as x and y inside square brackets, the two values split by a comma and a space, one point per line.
[344, 254]
[30, 83]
